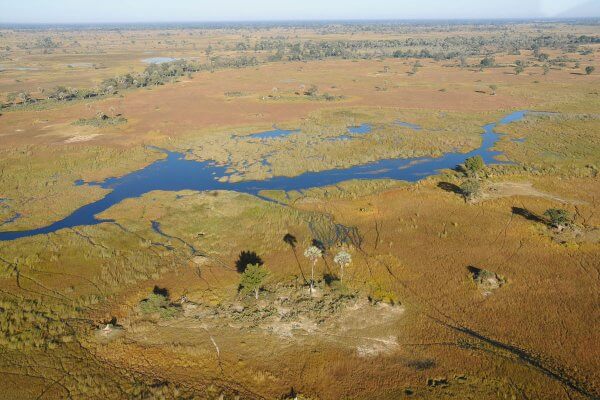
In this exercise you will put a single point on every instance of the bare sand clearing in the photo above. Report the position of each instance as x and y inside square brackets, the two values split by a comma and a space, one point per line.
[82, 138]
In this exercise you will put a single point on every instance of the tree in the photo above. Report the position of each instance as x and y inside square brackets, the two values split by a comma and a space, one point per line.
[546, 69]
[343, 259]
[487, 62]
[313, 253]
[558, 217]
[589, 69]
[519, 67]
[543, 57]
[493, 88]
[253, 278]
[470, 189]
[474, 165]
[415, 67]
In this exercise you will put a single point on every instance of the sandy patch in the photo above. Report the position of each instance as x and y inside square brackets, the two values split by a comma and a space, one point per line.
[508, 189]
[82, 138]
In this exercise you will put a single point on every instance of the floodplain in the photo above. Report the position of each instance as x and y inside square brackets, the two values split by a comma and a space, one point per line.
[423, 199]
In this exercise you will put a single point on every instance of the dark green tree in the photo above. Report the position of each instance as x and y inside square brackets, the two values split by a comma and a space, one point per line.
[474, 165]
[487, 62]
[253, 278]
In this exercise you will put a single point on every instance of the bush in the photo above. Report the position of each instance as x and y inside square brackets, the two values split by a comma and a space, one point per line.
[487, 62]
[470, 189]
[158, 304]
[558, 218]
[101, 120]
[379, 294]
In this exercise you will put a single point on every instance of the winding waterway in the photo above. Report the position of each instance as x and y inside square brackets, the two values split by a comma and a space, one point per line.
[175, 173]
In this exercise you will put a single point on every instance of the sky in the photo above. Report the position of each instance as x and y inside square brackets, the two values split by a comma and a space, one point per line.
[98, 11]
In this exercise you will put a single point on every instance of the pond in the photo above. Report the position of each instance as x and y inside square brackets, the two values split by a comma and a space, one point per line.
[275, 133]
[361, 129]
[414, 127]
[158, 60]
[175, 173]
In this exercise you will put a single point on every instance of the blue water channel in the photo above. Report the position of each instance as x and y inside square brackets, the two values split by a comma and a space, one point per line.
[175, 173]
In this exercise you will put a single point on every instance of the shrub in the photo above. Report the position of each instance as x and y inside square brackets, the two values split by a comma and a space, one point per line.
[101, 120]
[558, 217]
[487, 62]
[470, 189]
[313, 90]
[159, 304]
[379, 294]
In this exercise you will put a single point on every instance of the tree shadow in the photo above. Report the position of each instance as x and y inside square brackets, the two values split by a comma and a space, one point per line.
[449, 187]
[330, 278]
[318, 244]
[112, 321]
[460, 168]
[528, 215]
[474, 271]
[290, 240]
[245, 258]
[421, 365]
[292, 394]
[161, 291]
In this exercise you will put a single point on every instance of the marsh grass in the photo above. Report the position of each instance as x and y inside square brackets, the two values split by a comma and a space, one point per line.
[38, 182]
[317, 146]
[555, 143]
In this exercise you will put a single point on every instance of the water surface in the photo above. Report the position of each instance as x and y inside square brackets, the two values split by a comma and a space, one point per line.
[175, 173]
[158, 60]
[275, 133]
[361, 129]
[414, 127]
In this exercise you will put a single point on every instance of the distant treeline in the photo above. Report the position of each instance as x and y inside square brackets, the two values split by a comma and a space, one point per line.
[282, 48]
[439, 49]
[153, 75]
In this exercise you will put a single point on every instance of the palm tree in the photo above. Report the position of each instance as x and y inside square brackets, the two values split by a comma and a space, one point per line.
[343, 259]
[313, 253]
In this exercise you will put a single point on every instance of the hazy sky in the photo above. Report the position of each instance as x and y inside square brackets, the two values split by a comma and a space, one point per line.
[84, 11]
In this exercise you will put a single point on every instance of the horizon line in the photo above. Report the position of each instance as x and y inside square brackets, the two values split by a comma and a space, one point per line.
[324, 20]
